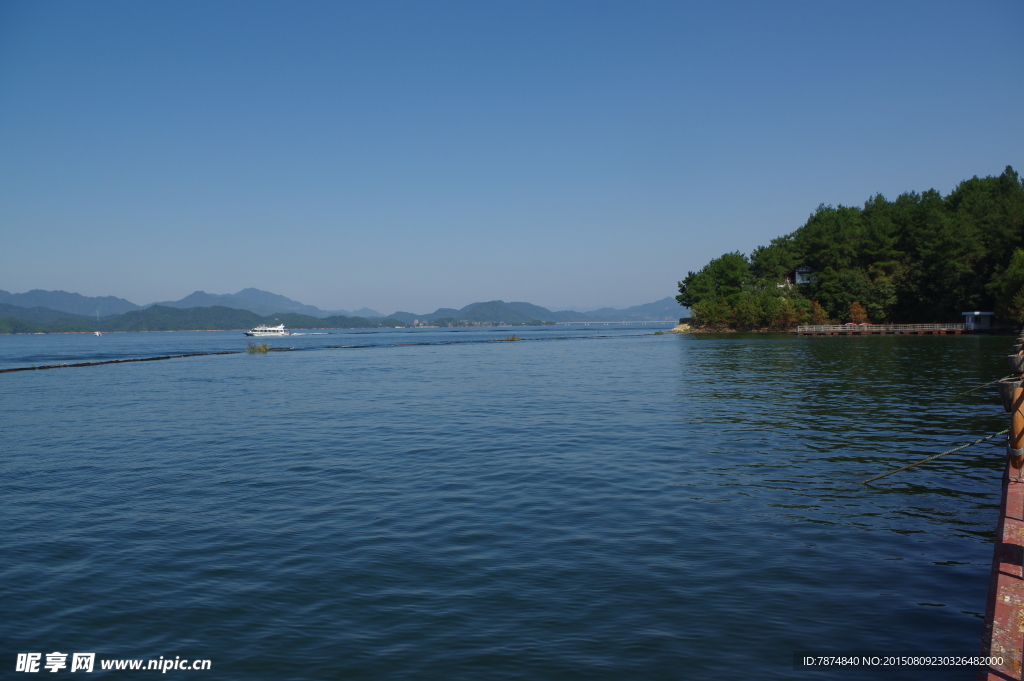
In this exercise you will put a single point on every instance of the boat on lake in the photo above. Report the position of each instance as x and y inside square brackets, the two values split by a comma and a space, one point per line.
[264, 330]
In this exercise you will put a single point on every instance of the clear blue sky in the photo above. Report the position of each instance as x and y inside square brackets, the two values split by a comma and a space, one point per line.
[411, 155]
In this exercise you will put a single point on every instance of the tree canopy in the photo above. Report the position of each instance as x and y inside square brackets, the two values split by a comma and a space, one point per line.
[920, 258]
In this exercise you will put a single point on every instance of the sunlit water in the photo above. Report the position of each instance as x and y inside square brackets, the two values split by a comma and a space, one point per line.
[590, 502]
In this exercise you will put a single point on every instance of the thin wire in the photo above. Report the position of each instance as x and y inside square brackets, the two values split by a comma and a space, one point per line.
[931, 458]
[980, 386]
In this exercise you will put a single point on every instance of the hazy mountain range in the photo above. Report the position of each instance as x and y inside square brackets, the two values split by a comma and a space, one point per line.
[520, 313]
[252, 299]
[261, 302]
[46, 306]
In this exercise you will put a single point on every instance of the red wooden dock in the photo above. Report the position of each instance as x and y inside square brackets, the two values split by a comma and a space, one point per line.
[1004, 613]
[879, 329]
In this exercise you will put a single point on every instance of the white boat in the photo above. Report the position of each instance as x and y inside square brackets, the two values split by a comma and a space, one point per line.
[264, 330]
[97, 333]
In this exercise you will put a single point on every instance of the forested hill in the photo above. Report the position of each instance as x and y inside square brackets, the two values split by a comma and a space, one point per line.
[160, 318]
[919, 258]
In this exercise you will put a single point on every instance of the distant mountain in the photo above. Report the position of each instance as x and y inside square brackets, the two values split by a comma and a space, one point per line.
[251, 299]
[493, 311]
[410, 317]
[43, 315]
[298, 321]
[162, 318]
[361, 312]
[73, 303]
[279, 303]
[262, 303]
[666, 309]
[283, 304]
[537, 312]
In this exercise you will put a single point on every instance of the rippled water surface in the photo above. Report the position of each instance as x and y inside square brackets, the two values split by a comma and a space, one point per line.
[590, 502]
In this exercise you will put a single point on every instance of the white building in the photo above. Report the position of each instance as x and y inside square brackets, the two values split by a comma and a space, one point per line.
[977, 320]
[803, 275]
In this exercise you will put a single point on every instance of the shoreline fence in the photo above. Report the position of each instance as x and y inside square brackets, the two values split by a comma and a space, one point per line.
[879, 329]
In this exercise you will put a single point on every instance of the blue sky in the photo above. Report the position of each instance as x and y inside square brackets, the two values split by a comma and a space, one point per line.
[415, 155]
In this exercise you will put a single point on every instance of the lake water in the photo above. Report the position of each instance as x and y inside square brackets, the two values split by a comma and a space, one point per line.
[592, 502]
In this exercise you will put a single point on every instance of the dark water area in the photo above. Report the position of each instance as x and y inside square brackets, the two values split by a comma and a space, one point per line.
[591, 502]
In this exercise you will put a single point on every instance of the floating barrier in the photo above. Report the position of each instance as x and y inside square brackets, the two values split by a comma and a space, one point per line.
[1016, 363]
[1007, 386]
[116, 361]
[324, 347]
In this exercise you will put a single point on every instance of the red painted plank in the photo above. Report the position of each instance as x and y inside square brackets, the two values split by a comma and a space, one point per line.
[1004, 613]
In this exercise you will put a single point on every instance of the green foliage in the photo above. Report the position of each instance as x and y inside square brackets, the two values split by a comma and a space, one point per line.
[1009, 289]
[713, 313]
[920, 258]
[881, 298]
[253, 348]
[723, 277]
[746, 313]
[15, 325]
[773, 261]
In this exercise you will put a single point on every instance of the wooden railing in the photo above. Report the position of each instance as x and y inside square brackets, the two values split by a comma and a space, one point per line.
[878, 328]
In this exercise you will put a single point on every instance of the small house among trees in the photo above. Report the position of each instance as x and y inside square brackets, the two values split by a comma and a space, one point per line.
[800, 275]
